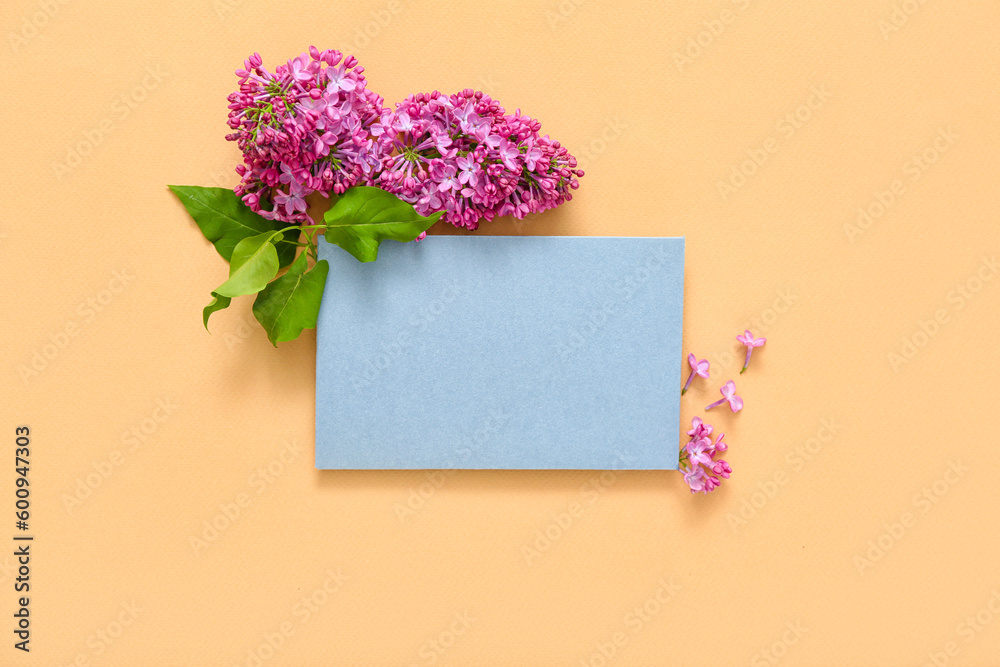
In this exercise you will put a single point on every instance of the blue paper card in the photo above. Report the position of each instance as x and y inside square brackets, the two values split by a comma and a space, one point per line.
[518, 352]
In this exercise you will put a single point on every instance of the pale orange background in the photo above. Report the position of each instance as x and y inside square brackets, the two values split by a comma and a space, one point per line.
[656, 137]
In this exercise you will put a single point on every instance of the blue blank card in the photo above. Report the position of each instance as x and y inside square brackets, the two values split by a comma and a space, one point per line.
[501, 352]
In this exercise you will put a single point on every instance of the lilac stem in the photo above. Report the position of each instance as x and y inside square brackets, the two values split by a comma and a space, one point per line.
[747, 362]
[688, 383]
[717, 403]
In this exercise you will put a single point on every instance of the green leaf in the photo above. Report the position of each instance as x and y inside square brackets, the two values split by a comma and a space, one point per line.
[253, 265]
[364, 216]
[218, 303]
[225, 220]
[291, 303]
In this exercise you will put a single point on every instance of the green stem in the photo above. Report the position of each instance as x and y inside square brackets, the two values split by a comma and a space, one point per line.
[309, 231]
[304, 229]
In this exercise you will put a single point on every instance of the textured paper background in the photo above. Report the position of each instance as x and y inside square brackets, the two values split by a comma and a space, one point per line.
[834, 449]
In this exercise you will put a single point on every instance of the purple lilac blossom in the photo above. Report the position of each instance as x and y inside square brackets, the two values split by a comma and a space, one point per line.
[302, 129]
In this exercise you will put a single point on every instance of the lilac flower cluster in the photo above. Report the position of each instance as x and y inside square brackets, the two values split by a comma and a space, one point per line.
[313, 126]
[463, 155]
[303, 129]
[697, 458]
[698, 463]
